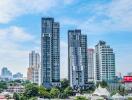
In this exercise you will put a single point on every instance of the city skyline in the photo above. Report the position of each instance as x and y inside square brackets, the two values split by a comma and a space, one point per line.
[20, 29]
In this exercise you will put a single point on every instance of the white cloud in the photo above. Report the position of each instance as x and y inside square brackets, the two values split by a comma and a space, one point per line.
[15, 33]
[13, 54]
[14, 8]
[10, 9]
[106, 17]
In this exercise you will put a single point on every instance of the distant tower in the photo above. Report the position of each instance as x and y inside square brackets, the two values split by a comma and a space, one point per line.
[34, 59]
[77, 59]
[6, 74]
[50, 52]
[34, 66]
[105, 62]
[91, 58]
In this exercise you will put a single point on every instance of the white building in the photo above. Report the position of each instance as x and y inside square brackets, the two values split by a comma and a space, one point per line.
[104, 62]
[90, 65]
[34, 64]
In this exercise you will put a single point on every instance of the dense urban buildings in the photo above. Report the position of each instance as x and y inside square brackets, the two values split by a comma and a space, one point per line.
[105, 62]
[91, 58]
[34, 67]
[50, 52]
[17, 76]
[77, 59]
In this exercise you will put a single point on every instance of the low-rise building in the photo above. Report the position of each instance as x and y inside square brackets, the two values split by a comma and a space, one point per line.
[16, 89]
[127, 82]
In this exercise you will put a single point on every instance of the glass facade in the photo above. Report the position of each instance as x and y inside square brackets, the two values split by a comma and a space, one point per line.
[50, 52]
[77, 59]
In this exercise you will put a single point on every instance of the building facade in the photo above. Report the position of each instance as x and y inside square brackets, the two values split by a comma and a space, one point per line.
[104, 62]
[77, 59]
[34, 59]
[15, 89]
[30, 74]
[50, 52]
[91, 60]
[34, 67]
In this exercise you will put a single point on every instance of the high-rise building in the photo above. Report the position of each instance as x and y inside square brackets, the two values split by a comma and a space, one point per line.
[105, 62]
[77, 59]
[34, 59]
[50, 52]
[91, 60]
[6, 74]
[34, 67]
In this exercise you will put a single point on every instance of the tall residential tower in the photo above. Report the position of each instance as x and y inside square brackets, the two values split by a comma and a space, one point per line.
[50, 52]
[105, 62]
[91, 62]
[77, 59]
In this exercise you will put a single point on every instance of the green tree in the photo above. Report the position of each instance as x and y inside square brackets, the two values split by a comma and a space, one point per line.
[43, 92]
[24, 83]
[103, 84]
[64, 83]
[113, 93]
[3, 85]
[54, 92]
[31, 90]
[63, 95]
[68, 91]
[22, 97]
[33, 98]
[16, 96]
[80, 98]
[122, 90]
[129, 98]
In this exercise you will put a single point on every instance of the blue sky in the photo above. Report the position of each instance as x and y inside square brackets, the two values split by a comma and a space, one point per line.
[20, 22]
